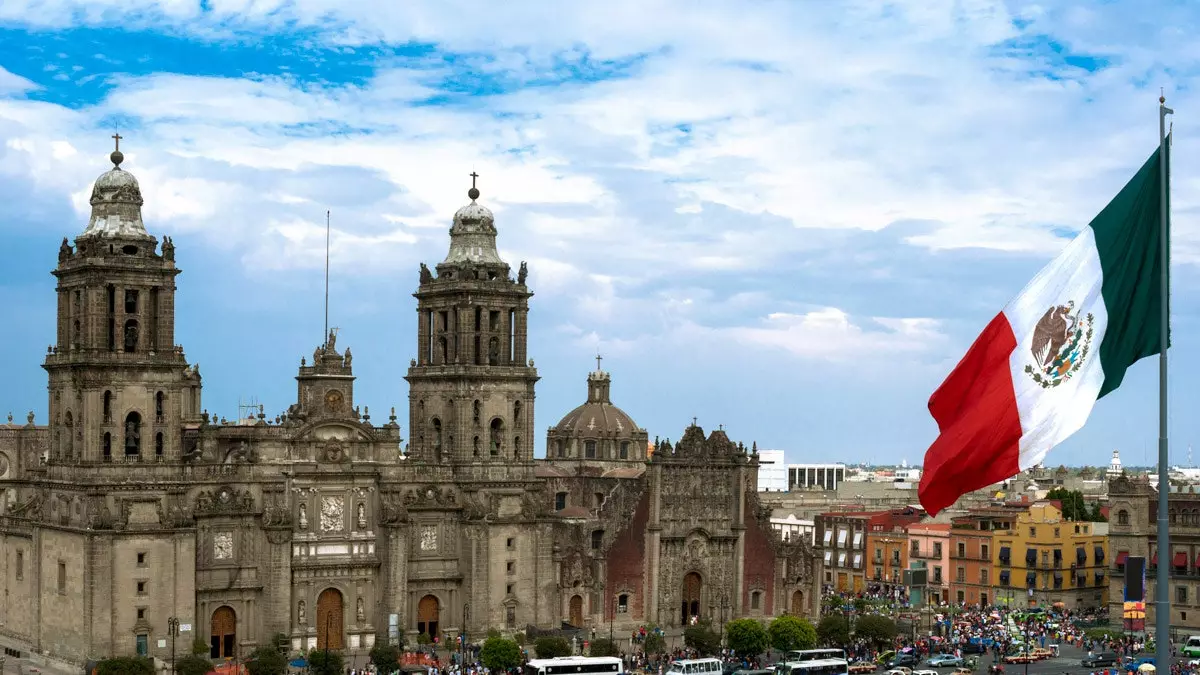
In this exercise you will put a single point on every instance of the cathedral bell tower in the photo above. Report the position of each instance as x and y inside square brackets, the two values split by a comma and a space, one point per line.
[471, 387]
[120, 389]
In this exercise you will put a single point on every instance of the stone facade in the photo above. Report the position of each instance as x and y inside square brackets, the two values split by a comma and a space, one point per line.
[133, 505]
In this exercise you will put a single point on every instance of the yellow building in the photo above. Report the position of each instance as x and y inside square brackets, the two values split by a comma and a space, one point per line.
[1044, 560]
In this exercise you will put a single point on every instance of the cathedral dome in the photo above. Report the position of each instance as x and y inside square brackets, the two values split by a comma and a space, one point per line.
[597, 429]
[473, 235]
[116, 204]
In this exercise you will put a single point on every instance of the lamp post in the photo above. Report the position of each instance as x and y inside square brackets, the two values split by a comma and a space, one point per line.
[466, 617]
[173, 631]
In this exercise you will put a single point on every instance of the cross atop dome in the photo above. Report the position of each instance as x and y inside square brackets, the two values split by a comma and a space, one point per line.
[473, 193]
[117, 157]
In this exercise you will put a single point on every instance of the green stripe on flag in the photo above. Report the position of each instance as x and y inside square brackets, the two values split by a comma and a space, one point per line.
[1127, 241]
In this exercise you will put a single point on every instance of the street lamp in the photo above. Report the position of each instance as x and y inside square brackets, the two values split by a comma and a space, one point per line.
[466, 617]
[173, 631]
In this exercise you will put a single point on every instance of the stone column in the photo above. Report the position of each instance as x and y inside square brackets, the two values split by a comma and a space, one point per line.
[394, 572]
[653, 553]
[278, 583]
[423, 328]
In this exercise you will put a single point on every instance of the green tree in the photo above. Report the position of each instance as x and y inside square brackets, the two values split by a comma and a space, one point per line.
[199, 646]
[549, 647]
[264, 661]
[385, 657]
[125, 665]
[654, 642]
[1074, 506]
[746, 637]
[875, 628]
[194, 664]
[498, 653]
[791, 632]
[833, 629]
[321, 662]
[702, 638]
[602, 647]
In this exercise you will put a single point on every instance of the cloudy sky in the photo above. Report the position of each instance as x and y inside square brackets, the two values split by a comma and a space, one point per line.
[787, 218]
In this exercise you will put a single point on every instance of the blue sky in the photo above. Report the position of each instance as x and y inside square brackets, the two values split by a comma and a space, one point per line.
[789, 219]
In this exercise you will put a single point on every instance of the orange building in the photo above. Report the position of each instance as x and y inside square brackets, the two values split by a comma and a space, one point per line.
[887, 544]
[972, 547]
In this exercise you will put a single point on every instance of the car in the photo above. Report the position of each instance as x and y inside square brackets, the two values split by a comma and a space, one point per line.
[1099, 660]
[963, 671]
[944, 661]
[1191, 647]
[1133, 666]
[925, 672]
[905, 659]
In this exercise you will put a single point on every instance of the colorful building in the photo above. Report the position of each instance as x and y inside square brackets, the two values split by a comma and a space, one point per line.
[930, 543]
[1045, 560]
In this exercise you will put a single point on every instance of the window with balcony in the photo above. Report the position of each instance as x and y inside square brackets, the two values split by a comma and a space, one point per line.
[1181, 595]
[937, 549]
[983, 552]
[937, 574]
[914, 548]
[960, 574]
[962, 549]
[1122, 517]
[983, 577]
[878, 554]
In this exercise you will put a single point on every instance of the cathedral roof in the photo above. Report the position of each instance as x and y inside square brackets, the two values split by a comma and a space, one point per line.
[473, 235]
[598, 417]
[116, 204]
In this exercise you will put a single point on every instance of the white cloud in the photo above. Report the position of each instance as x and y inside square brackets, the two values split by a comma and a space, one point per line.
[745, 132]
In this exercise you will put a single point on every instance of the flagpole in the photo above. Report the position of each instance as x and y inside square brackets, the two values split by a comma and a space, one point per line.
[325, 335]
[1162, 610]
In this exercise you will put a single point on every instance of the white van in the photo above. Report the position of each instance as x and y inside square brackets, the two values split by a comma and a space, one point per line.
[1191, 647]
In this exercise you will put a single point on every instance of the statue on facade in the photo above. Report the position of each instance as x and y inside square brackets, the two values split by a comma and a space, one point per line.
[347, 359]
[331, 343]
[426, 275]
[359, 611]
[168, 249]
[361, 516]
[522, 273]
[303, 517]
[64, 250]
[301, 614]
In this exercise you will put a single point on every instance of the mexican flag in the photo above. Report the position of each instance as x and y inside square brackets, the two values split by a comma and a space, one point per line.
[1031, 378]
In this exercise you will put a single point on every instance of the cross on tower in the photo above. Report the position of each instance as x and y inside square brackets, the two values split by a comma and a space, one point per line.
[693, 421]
[473, 177]
[117, 137]
[598, 359]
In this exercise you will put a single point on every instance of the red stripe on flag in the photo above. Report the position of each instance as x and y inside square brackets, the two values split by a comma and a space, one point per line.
[980, 426]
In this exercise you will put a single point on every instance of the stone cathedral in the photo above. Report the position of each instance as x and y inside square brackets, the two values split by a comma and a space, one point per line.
[133, 505]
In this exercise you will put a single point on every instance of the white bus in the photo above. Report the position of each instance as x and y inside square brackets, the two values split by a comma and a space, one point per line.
[814, 667]
[695, 667]
[576, 665]
[813, 654]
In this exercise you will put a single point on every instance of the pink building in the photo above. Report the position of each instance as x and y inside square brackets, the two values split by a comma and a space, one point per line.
[930, 543]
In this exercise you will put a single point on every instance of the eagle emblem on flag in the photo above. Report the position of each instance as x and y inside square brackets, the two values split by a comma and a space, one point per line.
[1061, 342]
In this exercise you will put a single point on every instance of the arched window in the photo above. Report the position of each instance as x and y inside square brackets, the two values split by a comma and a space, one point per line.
[516, 447]
[133, 434]
[560, 449]
[106, 446]
[598, 498]
[589, 449]
[107, 415]
[160, 413]
[131, 335]
[1122, 517]
[437, 434]
[597, 538]
[517, 415]
[475, 446]
[476, 411]
[494, 352]
[158, 444]
[560, 501]
[624, 449]
[497, 439]
[623, 603]
[756, 600]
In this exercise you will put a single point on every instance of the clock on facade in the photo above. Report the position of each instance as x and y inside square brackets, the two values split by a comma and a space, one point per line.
[333, 401]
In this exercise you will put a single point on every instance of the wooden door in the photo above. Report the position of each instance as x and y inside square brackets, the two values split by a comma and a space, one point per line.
[330, 619]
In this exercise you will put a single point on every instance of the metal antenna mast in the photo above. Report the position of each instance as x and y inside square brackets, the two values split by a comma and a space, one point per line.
[324, 335]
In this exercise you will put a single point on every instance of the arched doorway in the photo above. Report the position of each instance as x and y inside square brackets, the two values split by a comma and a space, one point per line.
[330, 619]
[223, 634]
[576, 613]
[798, 603]
[428, 614]
[690, 607]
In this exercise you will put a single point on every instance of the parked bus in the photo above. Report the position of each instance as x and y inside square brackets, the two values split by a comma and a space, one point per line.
[814, 667]
[696, 667]
[814, 654]
[576, 665]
